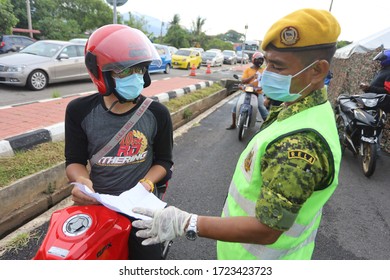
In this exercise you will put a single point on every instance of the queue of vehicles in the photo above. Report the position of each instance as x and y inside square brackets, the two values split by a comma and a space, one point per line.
[37, 63]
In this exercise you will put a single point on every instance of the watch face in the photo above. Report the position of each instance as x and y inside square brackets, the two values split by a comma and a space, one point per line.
[191, 235]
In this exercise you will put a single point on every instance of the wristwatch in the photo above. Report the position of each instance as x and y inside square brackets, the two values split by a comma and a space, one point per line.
[192, 232]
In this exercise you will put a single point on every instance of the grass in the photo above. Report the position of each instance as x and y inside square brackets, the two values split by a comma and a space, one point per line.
[48, 154]
[21, 241]
[56, 94]
[28, 162]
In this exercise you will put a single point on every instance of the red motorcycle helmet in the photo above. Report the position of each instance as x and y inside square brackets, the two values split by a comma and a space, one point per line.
[258, 59]
[115, 47]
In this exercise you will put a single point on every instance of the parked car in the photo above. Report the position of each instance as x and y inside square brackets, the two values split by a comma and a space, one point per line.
[201, 50]
[215, 58]
[230, 57]
[166, 59]
[79, 40]
[14, 43]
[242, 57]
[185, 58]
[43, 63]
[215, 50]
[172, 50]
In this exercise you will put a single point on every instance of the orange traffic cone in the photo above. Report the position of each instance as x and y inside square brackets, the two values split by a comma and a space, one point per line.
[192, 73]
[208, 70]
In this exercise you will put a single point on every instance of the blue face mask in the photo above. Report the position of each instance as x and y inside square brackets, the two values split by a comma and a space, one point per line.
[130, 87]
[277, 86]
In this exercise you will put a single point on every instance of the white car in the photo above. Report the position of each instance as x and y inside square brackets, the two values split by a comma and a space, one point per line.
[42, 63]
[214, 57]
[79, 40]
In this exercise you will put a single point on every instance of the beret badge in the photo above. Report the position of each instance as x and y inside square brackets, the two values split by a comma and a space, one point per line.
[289, 36]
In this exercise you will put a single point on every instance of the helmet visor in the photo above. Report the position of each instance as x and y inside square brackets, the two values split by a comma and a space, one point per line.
[380, 56]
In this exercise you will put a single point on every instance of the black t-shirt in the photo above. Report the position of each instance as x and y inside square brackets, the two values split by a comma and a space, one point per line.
[89, 126]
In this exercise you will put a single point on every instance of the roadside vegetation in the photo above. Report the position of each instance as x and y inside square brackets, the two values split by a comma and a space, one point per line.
[74, 19]
[49, 154]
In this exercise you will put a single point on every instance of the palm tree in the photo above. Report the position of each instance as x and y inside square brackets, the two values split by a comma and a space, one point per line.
[198, 25]
[175, 20]
[198, 35]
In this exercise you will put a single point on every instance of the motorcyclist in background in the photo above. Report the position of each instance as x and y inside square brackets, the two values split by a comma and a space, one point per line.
[252, 75]
[381, 81]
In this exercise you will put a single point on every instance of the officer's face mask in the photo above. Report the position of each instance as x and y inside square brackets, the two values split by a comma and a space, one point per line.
[277, 86]
[129, 87]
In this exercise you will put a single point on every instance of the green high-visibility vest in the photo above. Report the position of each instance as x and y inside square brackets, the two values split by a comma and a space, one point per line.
[298, 241]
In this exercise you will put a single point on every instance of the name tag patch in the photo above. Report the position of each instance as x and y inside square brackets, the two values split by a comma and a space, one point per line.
[301, 155]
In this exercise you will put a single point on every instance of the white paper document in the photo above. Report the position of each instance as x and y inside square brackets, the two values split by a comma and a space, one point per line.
[138, 196]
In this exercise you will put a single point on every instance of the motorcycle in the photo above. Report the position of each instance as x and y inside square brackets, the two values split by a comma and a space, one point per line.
[246, 109]
[90, 232]
[360, 120]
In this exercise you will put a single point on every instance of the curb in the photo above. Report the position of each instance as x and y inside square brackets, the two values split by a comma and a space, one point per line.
[56, 132]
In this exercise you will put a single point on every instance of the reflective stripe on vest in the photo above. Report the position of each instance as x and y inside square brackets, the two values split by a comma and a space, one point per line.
[249, 207]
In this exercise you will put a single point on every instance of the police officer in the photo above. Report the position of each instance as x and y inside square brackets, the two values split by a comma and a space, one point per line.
[289, 169]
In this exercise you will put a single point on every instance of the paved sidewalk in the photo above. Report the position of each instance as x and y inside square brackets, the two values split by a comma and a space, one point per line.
[24, 126]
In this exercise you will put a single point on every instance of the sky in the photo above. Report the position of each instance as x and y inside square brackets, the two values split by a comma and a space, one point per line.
[358, 19]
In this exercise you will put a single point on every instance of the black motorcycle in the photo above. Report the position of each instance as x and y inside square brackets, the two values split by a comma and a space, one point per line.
[246, 110]
[360, 121]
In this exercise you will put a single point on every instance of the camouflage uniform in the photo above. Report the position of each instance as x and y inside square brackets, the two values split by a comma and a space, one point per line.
[292, 168]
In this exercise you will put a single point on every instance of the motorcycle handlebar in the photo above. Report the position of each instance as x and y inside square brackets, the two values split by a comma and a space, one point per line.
[244, 86]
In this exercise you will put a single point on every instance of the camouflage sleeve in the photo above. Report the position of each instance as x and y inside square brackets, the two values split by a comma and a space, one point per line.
[291, 169]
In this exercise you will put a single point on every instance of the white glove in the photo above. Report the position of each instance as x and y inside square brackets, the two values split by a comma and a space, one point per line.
[166, 224]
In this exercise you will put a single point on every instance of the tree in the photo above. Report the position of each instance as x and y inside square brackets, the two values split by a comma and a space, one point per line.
[89, 14]
[138, 23]
[20, 12]
[215, 43]
[198, 35]
[341, 44]
[232, 36]
[59, 29]
[176, 35]
[7, 18]
[175, 20]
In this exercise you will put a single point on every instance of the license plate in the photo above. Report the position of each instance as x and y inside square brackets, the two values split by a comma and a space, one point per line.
[371, 140]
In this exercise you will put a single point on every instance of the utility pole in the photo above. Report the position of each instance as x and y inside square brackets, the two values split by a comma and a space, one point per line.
[29, 18]
[115, 16]
[243, 45]
[161, 30]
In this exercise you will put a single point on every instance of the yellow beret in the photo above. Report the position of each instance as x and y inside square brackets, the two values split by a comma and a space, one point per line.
[303, 29]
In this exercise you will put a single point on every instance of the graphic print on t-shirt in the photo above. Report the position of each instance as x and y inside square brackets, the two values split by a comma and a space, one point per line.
[132, 149]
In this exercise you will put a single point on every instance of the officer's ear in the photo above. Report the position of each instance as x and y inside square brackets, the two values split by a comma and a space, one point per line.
[320, 71]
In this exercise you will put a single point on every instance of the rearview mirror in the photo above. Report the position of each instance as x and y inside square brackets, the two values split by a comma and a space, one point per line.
[63, 56]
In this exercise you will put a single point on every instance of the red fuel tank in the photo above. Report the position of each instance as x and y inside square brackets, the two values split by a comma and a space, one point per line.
[91, 232]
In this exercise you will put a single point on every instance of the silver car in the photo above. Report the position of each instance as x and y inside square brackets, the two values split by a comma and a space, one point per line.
[42, 63]
[213, 57]
[242, 57]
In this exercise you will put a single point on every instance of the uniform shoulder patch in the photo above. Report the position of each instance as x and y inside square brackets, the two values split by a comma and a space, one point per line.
[301, 155]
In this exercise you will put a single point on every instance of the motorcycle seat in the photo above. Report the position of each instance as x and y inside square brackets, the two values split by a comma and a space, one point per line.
[347, 104]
